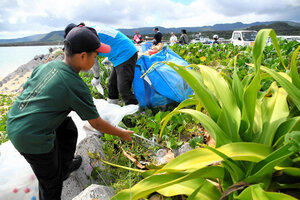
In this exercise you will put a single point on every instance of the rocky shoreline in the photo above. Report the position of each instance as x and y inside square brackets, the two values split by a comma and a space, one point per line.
[12, 83]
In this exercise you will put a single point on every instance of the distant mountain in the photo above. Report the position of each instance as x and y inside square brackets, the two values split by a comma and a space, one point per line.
[280, 28]
[53, 36]
[31, 38]
[293, 24]
[286, 28]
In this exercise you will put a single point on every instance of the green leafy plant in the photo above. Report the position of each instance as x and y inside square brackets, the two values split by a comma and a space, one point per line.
[147, 124]
[5, 104]
[104, 74]
[255, 130]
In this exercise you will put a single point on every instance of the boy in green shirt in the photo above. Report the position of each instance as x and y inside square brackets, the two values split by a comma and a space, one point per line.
[37, 123]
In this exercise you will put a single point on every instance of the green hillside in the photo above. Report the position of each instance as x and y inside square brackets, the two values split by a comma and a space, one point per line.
[53, 36]
[280, 28]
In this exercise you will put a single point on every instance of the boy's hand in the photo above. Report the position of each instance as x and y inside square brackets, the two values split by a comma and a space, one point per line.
[105, 127]
[126, 135]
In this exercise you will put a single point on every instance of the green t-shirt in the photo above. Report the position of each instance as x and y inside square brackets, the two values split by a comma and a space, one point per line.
[53, 90]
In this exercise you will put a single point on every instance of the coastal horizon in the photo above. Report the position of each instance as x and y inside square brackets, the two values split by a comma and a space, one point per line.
[15, 56]
[17, 75]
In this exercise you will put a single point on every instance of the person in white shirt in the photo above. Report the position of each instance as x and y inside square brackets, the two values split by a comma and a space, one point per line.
[173, 39]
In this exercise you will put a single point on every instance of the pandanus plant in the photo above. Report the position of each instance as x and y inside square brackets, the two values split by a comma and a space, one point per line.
[257, 135]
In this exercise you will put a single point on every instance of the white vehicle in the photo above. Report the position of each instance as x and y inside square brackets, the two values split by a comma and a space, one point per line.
[202, 40]
[289, 38]
[243, 37]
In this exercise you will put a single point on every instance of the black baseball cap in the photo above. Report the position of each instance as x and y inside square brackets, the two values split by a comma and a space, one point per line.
[85, 39]
[69, 28]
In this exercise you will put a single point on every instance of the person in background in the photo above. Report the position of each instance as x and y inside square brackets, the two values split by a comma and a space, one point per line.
[123, 56]
[157, 37]
[215, 38]
[55, 54]
[37, 123]
[183, 38]
[138, 38]
[173, 39]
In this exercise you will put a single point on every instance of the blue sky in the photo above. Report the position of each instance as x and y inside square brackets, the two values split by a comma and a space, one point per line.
[20, 18]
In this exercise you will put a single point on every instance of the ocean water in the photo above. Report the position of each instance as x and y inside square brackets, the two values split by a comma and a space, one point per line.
[13, 57]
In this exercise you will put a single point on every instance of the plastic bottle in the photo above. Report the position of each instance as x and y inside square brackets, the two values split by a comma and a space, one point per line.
[161, 156]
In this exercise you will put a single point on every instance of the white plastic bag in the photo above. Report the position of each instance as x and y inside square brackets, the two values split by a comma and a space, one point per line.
[111, 113]
[17, 180]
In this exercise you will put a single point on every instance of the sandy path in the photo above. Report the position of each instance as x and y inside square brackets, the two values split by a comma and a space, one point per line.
[13, 85]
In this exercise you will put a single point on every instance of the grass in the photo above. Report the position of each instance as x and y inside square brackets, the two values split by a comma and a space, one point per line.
[147, 124]
[5, 104]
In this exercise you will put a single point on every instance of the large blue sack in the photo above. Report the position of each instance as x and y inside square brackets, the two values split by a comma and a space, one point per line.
[161, 85]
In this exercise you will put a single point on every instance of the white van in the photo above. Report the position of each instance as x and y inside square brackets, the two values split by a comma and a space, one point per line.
[243, 37]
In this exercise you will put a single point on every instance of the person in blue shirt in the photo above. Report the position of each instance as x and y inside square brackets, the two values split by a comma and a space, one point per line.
[123, 56]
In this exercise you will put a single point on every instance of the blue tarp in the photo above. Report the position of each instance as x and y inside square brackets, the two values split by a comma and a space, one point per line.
[161, 85]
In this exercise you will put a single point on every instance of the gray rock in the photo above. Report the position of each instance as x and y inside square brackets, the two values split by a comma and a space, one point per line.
[71, 188]
[81, 178]
[96, 191]
[83, 174]
[39, 57]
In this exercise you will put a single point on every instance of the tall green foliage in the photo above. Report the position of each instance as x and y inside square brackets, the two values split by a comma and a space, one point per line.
[256, 134]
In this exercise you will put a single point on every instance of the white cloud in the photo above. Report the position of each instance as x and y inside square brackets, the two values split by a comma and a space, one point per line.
[294, 2]
[13, 20]
[42, 16]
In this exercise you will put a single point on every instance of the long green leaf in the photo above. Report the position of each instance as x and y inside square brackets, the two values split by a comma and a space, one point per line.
[230, 117]
[259, 46]
[290, 88]
[288, 126]
[237, 87]
[255, 192]
[214, 130]
[294, 70]
[292, 171]
[194, 80]
[251, 91]
[258, 118]
[247, 79]
[195, 193]
[274, 112]
[197, 188]
[249, 104]
[236, 172]
[266, 166]
[201, 157]
[160, 181]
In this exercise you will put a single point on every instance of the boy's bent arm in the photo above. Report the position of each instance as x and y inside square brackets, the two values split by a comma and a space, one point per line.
[105, 127]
